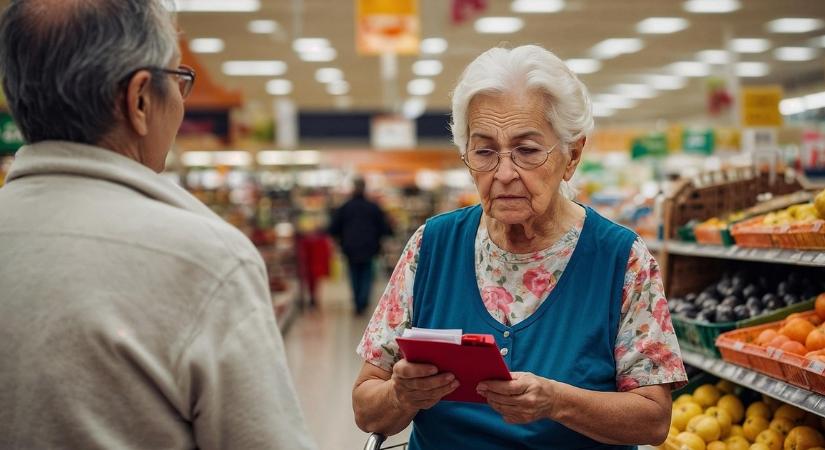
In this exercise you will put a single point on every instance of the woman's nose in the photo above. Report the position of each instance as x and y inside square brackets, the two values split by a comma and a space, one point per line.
[506, 170]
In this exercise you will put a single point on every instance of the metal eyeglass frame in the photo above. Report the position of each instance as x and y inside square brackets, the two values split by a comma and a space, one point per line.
[510, 154]
[184, 73]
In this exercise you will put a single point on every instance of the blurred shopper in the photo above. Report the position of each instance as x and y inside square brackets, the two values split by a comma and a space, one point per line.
[574, 301]
[132, 317]
[359, 224]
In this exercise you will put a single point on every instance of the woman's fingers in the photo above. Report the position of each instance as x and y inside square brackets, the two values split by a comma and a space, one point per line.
[426, 383]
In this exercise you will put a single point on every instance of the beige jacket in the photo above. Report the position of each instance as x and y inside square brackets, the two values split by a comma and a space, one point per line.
[132, 317]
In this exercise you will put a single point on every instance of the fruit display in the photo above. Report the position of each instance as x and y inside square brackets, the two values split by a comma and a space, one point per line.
[715, 417]
[801, 333]
[803, 213]
[742, 296]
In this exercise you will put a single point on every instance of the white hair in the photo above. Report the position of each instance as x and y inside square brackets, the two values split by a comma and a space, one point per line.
[524, 69]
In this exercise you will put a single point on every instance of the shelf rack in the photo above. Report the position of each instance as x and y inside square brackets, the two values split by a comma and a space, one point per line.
[811, 258]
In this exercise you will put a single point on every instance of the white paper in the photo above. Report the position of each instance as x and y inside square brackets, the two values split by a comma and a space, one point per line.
[452, 336]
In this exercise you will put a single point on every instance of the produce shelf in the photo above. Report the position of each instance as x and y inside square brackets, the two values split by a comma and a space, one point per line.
[801, 398]
[812, 258]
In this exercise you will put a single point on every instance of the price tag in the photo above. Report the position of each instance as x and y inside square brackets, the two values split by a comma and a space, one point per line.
[810, 256]
[817, 366]
[820, 258]
[796, 256]
[771, 254]
[731, 251]
[776, 353]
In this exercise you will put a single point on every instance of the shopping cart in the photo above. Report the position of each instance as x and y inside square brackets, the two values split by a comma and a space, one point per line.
[375, 440]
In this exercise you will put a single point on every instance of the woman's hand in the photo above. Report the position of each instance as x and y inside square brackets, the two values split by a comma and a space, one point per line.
[419, 386]
[524, 399]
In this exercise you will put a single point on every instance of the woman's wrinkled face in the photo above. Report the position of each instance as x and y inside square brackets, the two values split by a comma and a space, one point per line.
[501, 122]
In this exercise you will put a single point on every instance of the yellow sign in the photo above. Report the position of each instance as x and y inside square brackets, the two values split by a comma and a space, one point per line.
[387, 26]
[760, 106]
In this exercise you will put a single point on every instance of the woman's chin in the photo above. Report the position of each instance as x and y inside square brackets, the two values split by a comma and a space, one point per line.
[510, 216]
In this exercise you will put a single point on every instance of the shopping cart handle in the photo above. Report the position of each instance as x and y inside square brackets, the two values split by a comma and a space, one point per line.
[374, 441]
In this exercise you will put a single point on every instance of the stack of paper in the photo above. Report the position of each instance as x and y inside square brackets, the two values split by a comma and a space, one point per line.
[433, 335]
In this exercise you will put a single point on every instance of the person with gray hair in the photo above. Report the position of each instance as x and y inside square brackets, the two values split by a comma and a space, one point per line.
[574, 301]
[132, 316]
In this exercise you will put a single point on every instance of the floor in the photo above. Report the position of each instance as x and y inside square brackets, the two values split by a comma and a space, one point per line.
[320, 346]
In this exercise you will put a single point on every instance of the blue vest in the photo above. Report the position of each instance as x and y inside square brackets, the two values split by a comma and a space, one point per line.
[569, 338]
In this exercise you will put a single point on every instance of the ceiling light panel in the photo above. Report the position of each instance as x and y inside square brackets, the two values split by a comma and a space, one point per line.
[498, 25]
[427, 68]
[662, 25]
[711, 6]
[536, 6]
[310, 44]
[689, 69]
[262, 26]
[602, 110]
[206, 45]
[433, 46]
[713, 56]
[611, 48]
[279, 87]
[795, 25]
[254, 68]
[795, 53]
[615, 101]
[750, 45]
[584, 65]
[666, 82]
[752, 69]
[791, 106]
[636, 91]
[414, 107]
[420, 87]
[329, 75]
[338, 88]
[320, 55]
[217, 5]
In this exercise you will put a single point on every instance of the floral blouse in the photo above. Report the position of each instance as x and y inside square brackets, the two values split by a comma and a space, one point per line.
[513, 286]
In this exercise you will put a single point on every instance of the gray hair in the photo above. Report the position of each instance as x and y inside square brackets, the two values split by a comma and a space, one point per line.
[64, 62]
[523, 69]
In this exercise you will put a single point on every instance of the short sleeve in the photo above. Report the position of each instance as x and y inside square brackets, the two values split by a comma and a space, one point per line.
[647, 352]
[394, 311]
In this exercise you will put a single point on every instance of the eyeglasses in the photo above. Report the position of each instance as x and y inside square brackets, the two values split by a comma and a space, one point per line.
[184, 74]
[524, 156]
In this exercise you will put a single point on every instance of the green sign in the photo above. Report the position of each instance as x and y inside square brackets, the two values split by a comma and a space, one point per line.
[10, 137]
[698, 141]
[654, 144]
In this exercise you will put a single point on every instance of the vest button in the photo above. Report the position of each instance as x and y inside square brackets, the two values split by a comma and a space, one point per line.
[506, 334]
[504, 351]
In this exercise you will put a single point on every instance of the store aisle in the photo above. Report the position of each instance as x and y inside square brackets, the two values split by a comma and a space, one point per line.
[320, 347]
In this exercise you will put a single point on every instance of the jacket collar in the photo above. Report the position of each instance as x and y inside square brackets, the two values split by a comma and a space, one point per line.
[71, 158]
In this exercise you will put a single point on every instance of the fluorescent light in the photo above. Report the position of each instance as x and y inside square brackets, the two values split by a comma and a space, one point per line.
[752, 69]
[584, 65]
[750, 45]
[196, 159]
[639, 91]
[602, 110]
[498, 25]
[217, 5]
[614, 101]
[206, 45]
[794, 53]
[611, 48]
[306, 157]
[537, 6]
[433, 46]
[713, 56]
[791, 106]
[231, 158]
[662, 25]
[427, 68]
[274, 158]
[321, 55]
[420, 87]
[254, 68]
[328, 75]
[338, 88]
[711, 6]
[794, 25]
[279, 87]
[414, 107]
[666, 82]
[815, 101]
[262, 26]
[307, 45]
[689, 69]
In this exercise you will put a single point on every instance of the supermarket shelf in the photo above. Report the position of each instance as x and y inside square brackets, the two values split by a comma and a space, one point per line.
[801, 398]
[772, 255]
[654, 245]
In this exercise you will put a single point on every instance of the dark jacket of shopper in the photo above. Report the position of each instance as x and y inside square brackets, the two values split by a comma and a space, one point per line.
[359, 226]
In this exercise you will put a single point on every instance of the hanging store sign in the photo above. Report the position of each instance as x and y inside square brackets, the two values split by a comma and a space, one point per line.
[653, 144]
[760, 106]
[388, 132]
[387, 26]
[10, 137]
[698, 141]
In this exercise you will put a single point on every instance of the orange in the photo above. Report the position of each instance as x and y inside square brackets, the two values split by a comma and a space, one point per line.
[815, 320]
[765, 336]
[815, 340]
[819, 306]
[777, 341]
[790, 412]
[803, 438]
[797, 329]
[793, 347]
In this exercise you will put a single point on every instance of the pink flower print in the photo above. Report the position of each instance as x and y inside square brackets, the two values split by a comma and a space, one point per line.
[538, 281]
[662, 316]
[497, 299]
[626, 383]
[620, 351]
[660, 354]
[395, 313]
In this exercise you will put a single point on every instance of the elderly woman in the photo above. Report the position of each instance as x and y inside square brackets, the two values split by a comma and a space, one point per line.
[132, 316]
[574, 301]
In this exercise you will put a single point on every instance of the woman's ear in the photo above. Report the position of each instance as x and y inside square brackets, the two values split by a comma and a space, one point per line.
[138, 102]
[575, 157]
